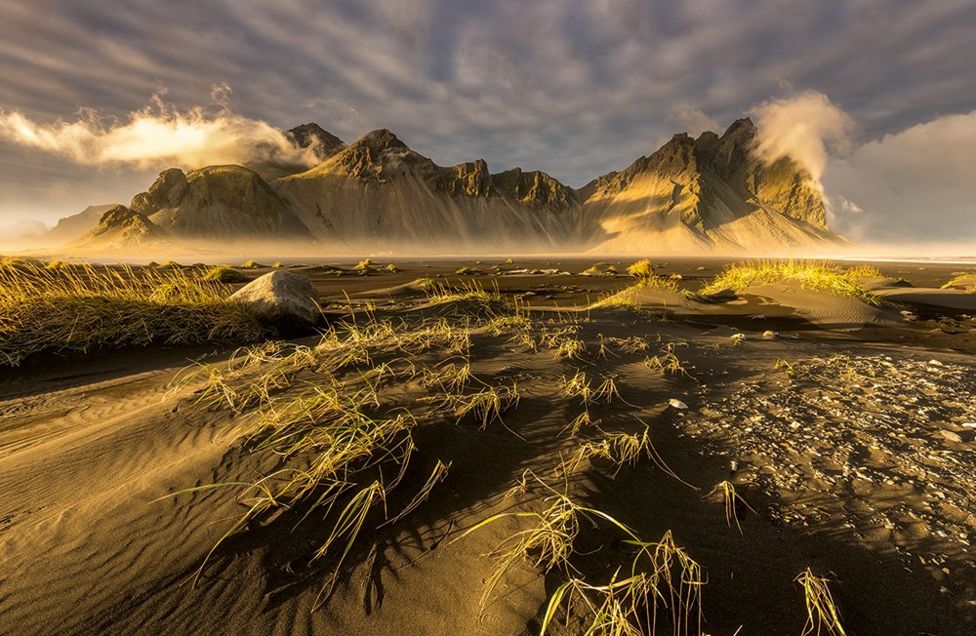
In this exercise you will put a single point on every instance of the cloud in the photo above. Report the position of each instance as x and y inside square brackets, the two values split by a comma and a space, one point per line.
[911, 185]
[694, 122]
[158, 135]
[802, 127]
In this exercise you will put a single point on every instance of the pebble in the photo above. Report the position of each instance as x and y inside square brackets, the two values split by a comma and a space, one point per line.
[677, 404]
[769, 334]
[949, 435]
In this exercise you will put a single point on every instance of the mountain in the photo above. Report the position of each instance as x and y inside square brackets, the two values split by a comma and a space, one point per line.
[316, 144]
[76, 225]
[313, 136]
[122, 227]
[709, 193]
[218, 202]
[23, 231]
[379, 193]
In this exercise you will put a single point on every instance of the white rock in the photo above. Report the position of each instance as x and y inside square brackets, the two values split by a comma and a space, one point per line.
[677, 404]
[281, 296]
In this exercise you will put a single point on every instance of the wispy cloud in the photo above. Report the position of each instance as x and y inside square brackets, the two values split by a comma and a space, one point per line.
[158, 135]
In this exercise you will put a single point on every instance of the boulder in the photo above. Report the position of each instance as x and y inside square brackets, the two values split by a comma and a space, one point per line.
[282, 297]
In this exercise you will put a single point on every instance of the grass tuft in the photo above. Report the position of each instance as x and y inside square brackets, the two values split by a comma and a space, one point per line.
[641, 269]
[822, 614]
[225, 274]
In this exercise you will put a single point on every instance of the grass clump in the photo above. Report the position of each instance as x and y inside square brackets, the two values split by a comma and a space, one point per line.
[660, 575]
[84, 307]
[822, 614]
[641, 269]
[252, 265]
[225, 274]
[470, 296]
[731, 500]
[487, 405]
[813, 275]
[966, 281]
[364, 265]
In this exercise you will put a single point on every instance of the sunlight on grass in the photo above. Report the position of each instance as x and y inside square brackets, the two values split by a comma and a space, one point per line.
[814, 275]
[83, 307]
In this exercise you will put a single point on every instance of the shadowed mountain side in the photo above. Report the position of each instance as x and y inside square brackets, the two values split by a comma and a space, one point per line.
[121, 227]
[218, 202]
[381, 191]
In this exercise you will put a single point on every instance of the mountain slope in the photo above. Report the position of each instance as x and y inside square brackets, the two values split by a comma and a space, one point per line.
[378, 193]
[72, 227]
[710, 193]
[218, 202]
[122, 228]
[316, 143]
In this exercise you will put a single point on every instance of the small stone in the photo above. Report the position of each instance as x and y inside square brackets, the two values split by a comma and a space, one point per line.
[677, 404]
[950, 436]
[769, 334]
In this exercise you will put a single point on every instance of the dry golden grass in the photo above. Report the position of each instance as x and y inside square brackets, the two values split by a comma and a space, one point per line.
[641, 269]
[822, 614]
[661, 574]
[84, 307]
[814, 275]
[225, 274]
[966, 281]
[731, 500]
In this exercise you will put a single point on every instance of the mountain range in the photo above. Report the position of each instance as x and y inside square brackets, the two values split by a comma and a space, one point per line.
[710, 193]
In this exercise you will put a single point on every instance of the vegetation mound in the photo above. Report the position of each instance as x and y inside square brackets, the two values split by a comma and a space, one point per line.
[224, 274]
[83, 307]
[813, 275]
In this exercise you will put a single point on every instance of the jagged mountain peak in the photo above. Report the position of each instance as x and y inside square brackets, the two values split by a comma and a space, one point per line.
[311, 135]
[380, 139]
[534, 188]
[121, 226]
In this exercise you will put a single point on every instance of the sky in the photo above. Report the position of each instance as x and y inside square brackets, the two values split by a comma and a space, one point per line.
[879, 97]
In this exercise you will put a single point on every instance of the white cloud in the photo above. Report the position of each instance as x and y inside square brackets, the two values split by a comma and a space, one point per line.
[694, 122]
[803, 127]
[911, 185]
[157, 135]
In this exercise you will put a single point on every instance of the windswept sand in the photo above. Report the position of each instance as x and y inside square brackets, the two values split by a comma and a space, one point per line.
[858, 463]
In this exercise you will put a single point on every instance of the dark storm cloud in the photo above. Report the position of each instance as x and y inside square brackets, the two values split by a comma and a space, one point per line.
[574, 88]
